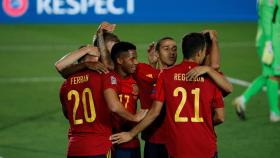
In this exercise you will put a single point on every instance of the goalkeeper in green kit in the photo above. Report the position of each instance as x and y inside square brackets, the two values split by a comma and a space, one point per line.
[268, 48]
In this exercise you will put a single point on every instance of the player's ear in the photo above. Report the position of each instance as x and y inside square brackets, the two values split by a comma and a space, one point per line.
[119, 60]
[199, 53]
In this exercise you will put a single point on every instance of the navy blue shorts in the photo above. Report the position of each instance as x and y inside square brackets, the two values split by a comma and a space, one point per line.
[155, 150]
[126, 153]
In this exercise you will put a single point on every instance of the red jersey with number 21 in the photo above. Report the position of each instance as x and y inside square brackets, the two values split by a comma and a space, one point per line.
[189, 112]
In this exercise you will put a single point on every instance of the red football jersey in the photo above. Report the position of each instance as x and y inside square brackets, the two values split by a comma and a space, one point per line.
[88, 114]
[189, 112]
[146, 77]
[128, 93]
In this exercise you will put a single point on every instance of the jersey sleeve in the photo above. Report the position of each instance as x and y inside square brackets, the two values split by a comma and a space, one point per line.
[145, 72]
[62, 94]
[218, 101]
[158, 93]
[266, 13]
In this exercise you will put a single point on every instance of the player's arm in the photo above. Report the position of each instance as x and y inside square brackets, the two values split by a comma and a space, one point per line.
[68, 60]
[116, 106]
[267, 15]
[219, 116]
[219, 79]
[152, 55]
[94, 66]
[148, 119]
[213, 58]
[105, 57]
[266, 18]
[153, 113]
[218, 107]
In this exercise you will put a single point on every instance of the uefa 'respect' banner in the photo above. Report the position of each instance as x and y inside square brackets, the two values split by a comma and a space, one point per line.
[93, 11]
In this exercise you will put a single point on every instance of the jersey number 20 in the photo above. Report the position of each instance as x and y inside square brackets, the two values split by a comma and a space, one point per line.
[86, 93]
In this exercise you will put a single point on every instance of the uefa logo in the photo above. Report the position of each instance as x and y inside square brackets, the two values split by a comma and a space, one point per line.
[15, 8]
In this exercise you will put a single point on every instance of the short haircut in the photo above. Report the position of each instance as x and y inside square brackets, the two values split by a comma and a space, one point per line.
[120, 48]
[107, 37]
[192, 43]
[158, 44]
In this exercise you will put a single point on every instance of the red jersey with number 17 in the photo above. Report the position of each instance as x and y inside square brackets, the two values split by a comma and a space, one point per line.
[189, 112]
[88, 114]
[128, 92]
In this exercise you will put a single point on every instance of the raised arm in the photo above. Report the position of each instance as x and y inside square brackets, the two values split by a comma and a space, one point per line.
[65, 65]
[213, 59]
[105, 57]
[152, 55]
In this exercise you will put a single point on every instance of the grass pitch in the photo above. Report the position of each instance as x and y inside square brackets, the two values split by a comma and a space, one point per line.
[31, 121]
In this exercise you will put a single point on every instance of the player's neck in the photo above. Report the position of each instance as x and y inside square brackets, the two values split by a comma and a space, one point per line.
[161, 66]
[120, 71]
[191, 60]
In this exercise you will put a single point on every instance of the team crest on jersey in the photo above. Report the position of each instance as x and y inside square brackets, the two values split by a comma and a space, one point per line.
[149, 75]
[113, 80]
[15, 8]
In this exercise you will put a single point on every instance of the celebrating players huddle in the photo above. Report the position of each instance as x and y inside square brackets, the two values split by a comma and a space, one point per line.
[180, 104]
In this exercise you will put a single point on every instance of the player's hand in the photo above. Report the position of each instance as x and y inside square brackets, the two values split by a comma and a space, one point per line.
[140, 115]
[213, 34]
[152, 54]
[106, 26]
[268, 53]
[97, 66]
[195, 72]
[122, 137]
[91, 50]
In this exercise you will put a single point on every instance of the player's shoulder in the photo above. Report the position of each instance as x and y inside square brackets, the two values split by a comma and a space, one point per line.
[174, 68]
[146, 67]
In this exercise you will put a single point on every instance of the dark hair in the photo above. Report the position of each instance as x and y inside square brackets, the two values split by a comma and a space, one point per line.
[158, 44]
[192, 43]
[119, 48]
[107, 37]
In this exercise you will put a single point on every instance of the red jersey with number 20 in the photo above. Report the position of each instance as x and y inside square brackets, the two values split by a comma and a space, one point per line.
[88, 114]
[189, 112]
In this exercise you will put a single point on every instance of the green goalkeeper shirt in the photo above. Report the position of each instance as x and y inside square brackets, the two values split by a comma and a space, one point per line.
[266, 11]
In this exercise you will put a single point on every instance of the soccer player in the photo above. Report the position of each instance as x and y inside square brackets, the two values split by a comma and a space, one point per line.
[89, 116]
[267, 46]
[211, 64]
[161, 55]
[120, 88]
[193, 107]
[165, 54]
